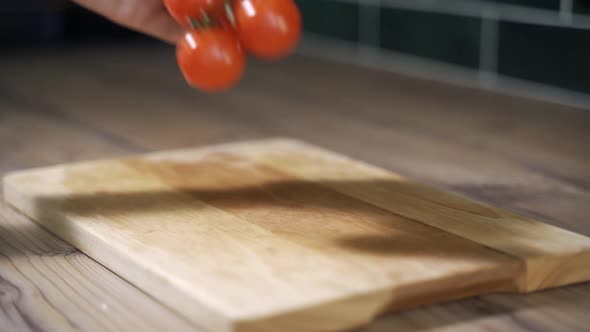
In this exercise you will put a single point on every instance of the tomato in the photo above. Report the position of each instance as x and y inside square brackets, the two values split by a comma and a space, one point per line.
[211, 59]
[182, 10]
[269, 29]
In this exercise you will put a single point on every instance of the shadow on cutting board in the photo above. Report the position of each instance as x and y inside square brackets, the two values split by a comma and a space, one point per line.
[311, 213]
[370, 217]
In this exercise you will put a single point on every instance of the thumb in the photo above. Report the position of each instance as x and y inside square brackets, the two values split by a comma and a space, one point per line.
[147, 16]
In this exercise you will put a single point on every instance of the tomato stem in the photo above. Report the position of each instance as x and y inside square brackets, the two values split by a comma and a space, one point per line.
[230, 13]
[194, 23]
[205, 21]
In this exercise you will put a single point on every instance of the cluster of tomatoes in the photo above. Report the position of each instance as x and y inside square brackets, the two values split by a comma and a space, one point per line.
[219, 34]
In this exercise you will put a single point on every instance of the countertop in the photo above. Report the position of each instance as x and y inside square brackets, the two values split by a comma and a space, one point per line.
[59, 106]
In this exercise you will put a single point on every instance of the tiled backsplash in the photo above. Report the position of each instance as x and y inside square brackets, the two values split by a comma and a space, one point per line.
[443, 37]
[541, 41]
[582, 7]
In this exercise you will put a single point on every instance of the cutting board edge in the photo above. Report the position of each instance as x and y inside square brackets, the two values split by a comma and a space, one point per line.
[389, 299]
[538, 277]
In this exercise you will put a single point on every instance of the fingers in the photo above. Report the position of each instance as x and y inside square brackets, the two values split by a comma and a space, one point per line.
[159, 24]
[147, 16]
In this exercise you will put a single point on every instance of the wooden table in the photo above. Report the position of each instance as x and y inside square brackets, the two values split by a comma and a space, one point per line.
[529, 157]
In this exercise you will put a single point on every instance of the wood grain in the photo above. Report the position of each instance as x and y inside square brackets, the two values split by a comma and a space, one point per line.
[45, 282]
[237, 239]
[525, 156]
[544, 248]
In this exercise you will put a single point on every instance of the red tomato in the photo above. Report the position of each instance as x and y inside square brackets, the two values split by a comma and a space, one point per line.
[181, 10]
[269, 29]
[211, 59]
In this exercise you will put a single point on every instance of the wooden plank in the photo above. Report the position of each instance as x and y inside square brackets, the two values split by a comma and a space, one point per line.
[237, 238]
[45, 283]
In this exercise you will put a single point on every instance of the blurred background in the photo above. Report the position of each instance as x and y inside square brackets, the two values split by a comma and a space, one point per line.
[538, 48]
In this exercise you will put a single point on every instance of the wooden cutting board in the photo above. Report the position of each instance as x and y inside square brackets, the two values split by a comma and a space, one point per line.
[279, 235]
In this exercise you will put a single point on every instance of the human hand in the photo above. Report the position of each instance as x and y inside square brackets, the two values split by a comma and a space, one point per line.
[147, 16]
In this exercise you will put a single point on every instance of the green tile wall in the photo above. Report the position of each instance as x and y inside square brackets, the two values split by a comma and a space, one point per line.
[582, 7]
[447, 38]
[330, 18]
[550, 48]
[553, 52]
[545, 54]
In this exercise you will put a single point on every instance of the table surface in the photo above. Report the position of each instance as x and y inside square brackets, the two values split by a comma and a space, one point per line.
[92, 103]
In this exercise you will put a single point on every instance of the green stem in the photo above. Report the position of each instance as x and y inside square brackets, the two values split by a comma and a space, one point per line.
[194, 23]
[230, 13]
[205, 19]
